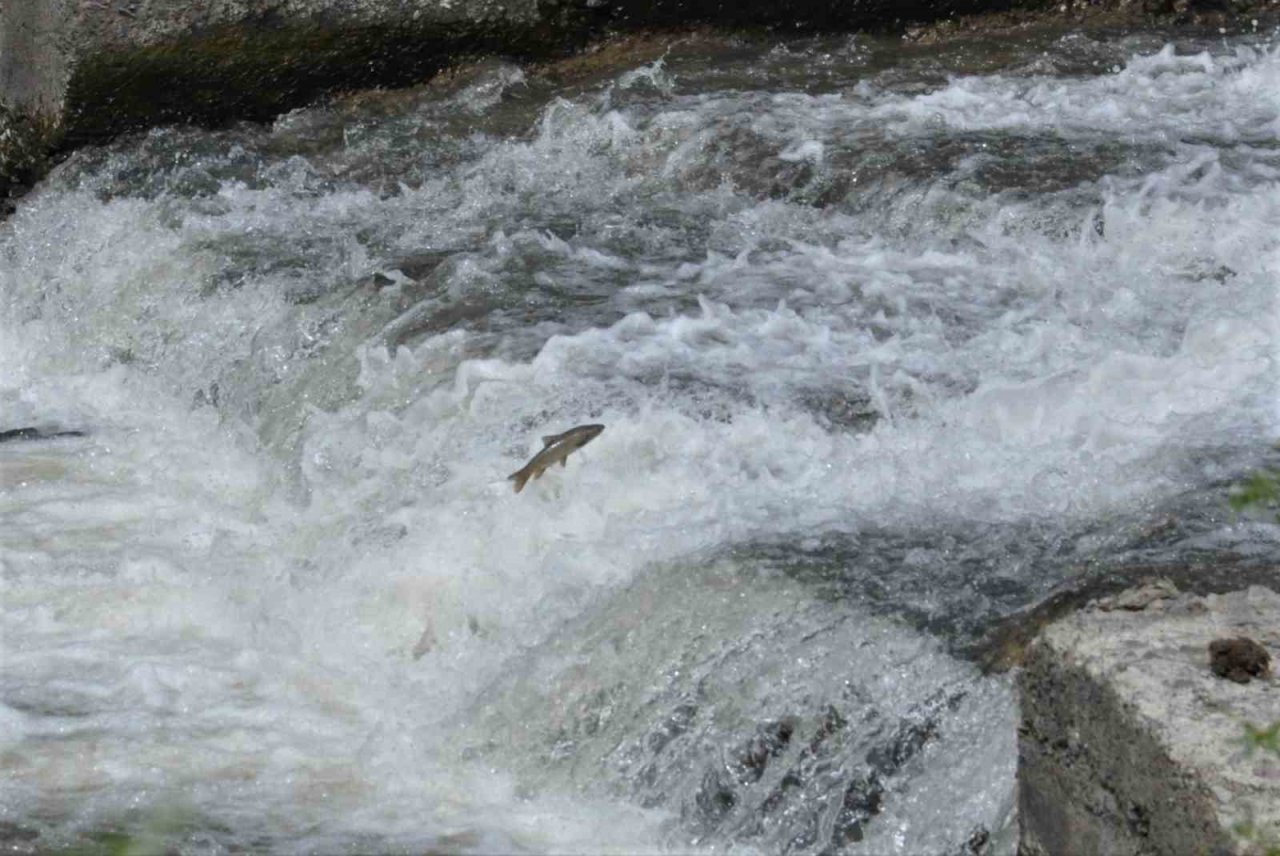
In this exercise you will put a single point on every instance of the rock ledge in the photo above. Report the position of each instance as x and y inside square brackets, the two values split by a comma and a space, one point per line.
[1130, 743]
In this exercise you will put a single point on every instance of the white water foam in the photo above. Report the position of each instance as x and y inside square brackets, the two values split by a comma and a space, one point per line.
[182, 634]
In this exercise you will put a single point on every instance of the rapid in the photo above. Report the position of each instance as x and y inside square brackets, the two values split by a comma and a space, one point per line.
[888, 341]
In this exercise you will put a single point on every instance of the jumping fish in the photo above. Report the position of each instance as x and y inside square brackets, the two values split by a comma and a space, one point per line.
[555, 448]
[36, 434]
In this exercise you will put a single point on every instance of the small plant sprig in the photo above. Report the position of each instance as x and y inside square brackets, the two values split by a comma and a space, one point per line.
[1246, 831]
[1261, 489]
[1267, 739]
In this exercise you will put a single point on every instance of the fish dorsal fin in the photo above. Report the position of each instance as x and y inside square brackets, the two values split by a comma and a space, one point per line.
[548, 439]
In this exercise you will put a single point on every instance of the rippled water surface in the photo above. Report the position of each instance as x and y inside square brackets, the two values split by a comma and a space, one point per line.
[889, 342]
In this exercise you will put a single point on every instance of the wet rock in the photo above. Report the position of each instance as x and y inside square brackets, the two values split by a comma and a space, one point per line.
[840, 409]
[1004, 643]
[770, 740]
[722, 788]
[840, 728]
[1129, 744]
[715, 800]
[19, 840]
[863, 799]
[903, 746]
[207, 398]
[1240, 659]
[419, 266]
[678, 723]
[1140, 598]
[864, 792]
[805, 838]
[977, 842]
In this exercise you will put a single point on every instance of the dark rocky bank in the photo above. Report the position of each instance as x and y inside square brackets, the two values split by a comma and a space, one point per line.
[83, 71]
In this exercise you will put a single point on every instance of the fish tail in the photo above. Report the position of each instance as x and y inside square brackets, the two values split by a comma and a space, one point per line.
[520, 477]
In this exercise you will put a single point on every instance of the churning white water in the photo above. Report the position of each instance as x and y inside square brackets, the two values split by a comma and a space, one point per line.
[887, 343]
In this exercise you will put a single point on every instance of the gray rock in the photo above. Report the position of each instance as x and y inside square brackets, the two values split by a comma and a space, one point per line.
[1143, 597]
[1129, 744]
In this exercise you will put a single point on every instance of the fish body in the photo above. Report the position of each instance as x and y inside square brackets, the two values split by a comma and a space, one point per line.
[555, 449]
[36, 434]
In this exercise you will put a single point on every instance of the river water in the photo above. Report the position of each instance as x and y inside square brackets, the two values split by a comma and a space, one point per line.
[889, 341]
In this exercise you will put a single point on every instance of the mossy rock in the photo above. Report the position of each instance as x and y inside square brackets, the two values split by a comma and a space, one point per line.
[25, 142]
[255, 70]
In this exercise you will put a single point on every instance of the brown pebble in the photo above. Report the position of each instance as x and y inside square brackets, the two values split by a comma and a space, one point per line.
[1240, 659]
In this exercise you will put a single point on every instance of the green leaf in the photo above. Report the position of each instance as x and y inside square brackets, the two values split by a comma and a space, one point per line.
[1263, 738]
[1261, 488]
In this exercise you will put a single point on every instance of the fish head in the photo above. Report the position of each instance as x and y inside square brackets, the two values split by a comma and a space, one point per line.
[582, 435]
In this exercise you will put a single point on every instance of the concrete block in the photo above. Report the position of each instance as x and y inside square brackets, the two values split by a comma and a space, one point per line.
[1131, 744]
